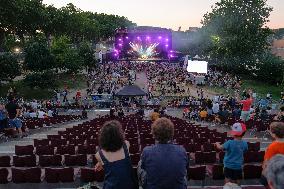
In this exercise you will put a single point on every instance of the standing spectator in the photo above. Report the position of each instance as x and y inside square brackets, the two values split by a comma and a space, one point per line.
[275, 172]
[215, 107]
[280, 115]
[3, 123]
[276, 147]
[163, 165]
[14, 112]
[114, 158]
[245, 115]
[203, 115]
[234, 150]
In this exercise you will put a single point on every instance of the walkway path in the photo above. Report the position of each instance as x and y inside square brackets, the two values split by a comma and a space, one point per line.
[141, 81]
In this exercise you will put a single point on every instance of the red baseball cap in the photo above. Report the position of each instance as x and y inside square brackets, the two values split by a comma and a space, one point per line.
[238, 129]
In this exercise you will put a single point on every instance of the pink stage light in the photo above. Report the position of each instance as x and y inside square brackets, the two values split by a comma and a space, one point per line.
[160, 37]
[167, 39]
[127, 37]
[120, 45]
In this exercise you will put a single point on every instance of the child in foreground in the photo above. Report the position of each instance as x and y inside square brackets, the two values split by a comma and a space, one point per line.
[234, 150]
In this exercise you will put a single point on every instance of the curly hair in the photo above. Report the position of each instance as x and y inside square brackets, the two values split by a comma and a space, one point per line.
[111, 137]
[163, 130]
[277, 128]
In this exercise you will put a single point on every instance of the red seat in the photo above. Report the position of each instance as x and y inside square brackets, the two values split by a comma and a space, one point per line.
[66, 175]
[33, 175]
[4, 176]
[44, 150]
[73, 160]
[252, 171]
[88, 175]
[41, 142]
[135, 158]
[24, 150]
[5, 161]
[216, 172]
[197, 173]
[47, 160]
[99, 176]
[18, 175]
[24, 161]
[52, 175]
[69, 149]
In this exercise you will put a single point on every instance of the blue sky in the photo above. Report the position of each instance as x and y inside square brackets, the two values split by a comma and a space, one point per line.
[163, 13]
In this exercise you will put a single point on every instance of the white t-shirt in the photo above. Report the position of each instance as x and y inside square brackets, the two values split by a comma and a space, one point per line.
[33, 114]
[215, 108]
[41, 114]
[49, 113]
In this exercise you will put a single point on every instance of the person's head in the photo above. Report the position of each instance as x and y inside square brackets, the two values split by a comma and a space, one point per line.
[277, 129]
[111, 137]
[275, 172]
[163, 130]
[238, 130]
[282, 109]
[156, 110]
[247, 96]
[11, 98]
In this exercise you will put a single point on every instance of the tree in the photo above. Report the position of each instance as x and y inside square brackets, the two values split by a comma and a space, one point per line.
[66, 55]
[87, 54]
[237, 32]
[270, 69]
[38, 57]
[9, 67]
[41, 80]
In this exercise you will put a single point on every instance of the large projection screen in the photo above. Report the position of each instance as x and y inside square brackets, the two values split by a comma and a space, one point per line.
[195, 66]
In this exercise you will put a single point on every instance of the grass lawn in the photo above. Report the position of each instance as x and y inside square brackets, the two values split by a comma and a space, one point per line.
[259, 87]
[41, 94]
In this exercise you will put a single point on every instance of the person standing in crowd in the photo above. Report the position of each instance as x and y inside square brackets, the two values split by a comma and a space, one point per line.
[113, 157]
[234, 150]
[275, 172]
[3, 121]
[14, 112]
[163, 165]
[276, 147]
[280, 115]
[245, 115]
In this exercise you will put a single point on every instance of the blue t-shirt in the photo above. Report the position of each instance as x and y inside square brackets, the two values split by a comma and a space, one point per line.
[234, 156]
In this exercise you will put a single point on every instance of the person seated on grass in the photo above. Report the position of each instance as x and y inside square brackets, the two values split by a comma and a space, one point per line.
[275, 172]
[113, 157]
[234, 150]
[163, 165]
[276, 147]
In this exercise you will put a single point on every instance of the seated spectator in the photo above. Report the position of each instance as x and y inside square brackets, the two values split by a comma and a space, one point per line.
[234, 150]
[113, 157]
[163, 165]
[230, 185]
[203, 115]
[155, 115]
[84, 114]
[280, 115]
[41, 114]
[275, 172]
[276, 147]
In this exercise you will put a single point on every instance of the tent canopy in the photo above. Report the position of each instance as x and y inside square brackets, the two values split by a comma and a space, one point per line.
[131, 90]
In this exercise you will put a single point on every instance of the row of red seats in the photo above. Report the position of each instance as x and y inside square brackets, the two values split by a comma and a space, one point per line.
[55, 175]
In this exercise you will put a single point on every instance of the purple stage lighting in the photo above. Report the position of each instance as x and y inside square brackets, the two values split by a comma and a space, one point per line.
[160, 37]
[120, 39]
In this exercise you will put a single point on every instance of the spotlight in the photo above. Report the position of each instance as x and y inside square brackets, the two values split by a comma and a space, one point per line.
[160, 37]
[127, 37]
[167, 39]
[147, 37]
[120, 39]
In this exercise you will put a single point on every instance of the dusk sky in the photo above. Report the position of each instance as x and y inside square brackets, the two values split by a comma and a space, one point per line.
[163, 13]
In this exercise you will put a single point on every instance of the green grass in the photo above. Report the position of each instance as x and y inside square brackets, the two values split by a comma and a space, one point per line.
[62, 80]
[260, 88]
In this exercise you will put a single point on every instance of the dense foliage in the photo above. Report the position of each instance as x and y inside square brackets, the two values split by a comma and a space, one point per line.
[9, 67]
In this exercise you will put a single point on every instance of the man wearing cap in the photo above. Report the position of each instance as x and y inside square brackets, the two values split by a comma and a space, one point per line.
[234, 150]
